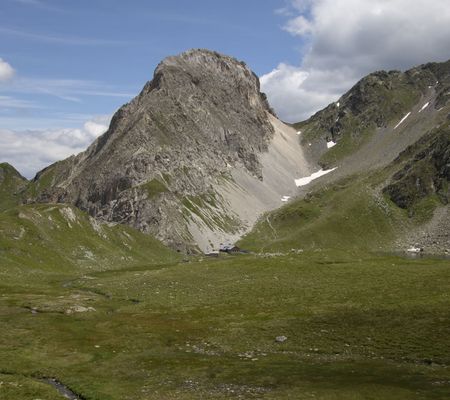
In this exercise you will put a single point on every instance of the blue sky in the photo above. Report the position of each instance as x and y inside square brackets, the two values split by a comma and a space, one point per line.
[67, 65]
[75, 59]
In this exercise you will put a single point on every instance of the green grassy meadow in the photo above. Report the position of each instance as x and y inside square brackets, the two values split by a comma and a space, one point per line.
[358, 326]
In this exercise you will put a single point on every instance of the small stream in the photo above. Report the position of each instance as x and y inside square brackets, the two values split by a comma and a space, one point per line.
[62, 389]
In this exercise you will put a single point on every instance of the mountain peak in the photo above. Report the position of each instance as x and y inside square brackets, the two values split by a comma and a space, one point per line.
[201, 123]
[7, 169]
[188, 85]
[202, 59]
[210, 72]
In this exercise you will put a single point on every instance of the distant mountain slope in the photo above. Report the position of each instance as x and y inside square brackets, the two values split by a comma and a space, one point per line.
[384, 113]
[389, 138]
[11, 183]
[399, 207]
[193, 159]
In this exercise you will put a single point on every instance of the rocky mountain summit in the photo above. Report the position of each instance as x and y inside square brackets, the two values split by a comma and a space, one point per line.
[191, 159]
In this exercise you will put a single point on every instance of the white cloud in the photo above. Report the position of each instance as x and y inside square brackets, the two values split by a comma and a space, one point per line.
[31, 150]
[94, 128]
[6, 71]
[299, 26]
[347, 39]
[296, 93]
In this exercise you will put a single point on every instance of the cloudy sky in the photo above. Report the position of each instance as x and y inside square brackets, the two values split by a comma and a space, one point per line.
[66, 66]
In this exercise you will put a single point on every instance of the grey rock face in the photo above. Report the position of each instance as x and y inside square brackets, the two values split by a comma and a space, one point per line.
[200, 116]
[427, 171]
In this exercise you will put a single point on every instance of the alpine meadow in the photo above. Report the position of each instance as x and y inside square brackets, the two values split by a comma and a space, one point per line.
[209, 242]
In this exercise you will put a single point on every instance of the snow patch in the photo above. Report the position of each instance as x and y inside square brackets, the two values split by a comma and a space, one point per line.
[338, 104]
[424, 106]
[330, 144]
[285, 198]
[406, 116]
[304, 181]
[299, 132]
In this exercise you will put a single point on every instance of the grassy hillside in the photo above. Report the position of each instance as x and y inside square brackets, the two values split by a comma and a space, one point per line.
[61, 238]
[11, 182]
[350, 214]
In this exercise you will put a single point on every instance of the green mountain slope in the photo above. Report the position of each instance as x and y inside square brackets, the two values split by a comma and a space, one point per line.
[11, 183]
[349, 214]
[60, 238]
[370, 211]
[374, 105]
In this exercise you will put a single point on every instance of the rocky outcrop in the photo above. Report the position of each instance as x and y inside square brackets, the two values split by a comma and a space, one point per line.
[177, 156]
[426, 173]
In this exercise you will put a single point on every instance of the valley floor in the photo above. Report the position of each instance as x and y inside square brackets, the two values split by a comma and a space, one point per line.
[356, 326]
